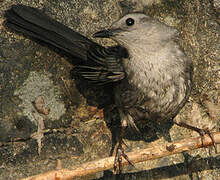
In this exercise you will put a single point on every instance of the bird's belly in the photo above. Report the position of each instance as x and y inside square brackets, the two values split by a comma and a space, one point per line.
[159, 99]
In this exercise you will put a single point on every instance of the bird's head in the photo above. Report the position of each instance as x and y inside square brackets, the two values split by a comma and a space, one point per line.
[136, 27]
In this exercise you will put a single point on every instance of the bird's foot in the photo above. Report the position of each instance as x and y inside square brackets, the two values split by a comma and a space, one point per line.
[118, 158]
[201, 132]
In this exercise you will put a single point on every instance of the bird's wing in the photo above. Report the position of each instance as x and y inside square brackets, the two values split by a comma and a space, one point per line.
[104, 65]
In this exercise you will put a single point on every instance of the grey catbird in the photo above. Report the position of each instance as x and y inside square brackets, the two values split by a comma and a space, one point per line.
[149, 74]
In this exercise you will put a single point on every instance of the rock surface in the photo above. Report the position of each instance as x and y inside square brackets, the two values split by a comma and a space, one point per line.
[32, 142]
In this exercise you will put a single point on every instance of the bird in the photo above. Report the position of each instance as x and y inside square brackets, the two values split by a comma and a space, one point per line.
[147, 76]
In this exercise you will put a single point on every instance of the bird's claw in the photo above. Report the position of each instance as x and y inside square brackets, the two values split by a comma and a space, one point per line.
[118, 158]
[201, 132]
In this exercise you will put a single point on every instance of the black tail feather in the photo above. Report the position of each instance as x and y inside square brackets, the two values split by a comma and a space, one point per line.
[34, 23]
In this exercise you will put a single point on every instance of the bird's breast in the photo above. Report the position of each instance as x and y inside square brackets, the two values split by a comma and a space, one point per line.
[152, 88]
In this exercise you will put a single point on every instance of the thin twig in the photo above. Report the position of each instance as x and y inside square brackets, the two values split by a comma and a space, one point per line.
[137, 156]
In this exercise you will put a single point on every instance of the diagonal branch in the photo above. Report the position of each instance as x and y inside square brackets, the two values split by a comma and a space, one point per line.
[137, 156]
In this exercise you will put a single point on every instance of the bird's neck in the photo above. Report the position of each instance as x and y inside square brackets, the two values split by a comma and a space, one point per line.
[145, 56]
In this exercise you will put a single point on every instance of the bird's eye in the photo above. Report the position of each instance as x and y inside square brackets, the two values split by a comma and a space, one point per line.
[129, 21]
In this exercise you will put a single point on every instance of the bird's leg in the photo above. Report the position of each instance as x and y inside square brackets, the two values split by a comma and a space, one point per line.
[201, 132]
[120, 151]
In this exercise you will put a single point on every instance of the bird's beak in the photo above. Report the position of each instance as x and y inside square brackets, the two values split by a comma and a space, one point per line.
[103, 34]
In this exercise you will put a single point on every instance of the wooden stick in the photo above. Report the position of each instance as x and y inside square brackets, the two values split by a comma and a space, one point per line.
[151, 153]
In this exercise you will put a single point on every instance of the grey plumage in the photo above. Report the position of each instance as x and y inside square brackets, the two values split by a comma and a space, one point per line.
[158, 73]
[150, 75]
